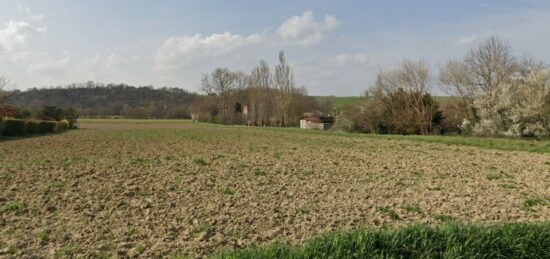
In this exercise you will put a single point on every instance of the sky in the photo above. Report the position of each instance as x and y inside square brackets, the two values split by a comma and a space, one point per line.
[335, 47]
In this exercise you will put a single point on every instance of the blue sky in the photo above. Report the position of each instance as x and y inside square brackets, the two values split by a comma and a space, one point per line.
[336, 47]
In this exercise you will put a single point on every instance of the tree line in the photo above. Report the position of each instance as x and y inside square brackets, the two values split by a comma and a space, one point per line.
[261, 97]
[494, 93]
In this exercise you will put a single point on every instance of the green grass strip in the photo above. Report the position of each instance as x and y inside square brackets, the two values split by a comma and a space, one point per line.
[511, 240]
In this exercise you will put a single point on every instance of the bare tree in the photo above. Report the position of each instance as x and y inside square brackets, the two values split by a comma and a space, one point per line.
[261, 79]
[4, 82]
[221, 82]
[491, 63]
[456, 78]
[482, 71]
[410, 82]
[284, 82]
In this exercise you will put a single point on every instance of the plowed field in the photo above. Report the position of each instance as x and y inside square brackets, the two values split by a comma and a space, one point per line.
[158, 188]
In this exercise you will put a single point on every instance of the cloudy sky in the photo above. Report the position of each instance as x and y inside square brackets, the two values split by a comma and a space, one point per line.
[335, 47]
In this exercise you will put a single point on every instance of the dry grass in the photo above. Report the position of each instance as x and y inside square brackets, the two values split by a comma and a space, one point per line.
[128, 188]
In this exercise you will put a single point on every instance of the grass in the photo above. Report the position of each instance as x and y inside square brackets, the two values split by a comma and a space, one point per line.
[200, 162]
[391, 213]
[43, 237]
[64, 252]
[492, 177]
[536, 145]
[226, 191]
[445, 218]
[532, 202]
[511, 240]
[12, 207]
[339, 102]
[411, 208]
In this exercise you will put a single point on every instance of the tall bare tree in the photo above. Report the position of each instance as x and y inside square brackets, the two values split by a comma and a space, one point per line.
[284, 82]
[261, 79]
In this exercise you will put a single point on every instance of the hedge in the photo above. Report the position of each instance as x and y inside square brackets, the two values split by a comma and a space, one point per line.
[13, 127]
[16, 127]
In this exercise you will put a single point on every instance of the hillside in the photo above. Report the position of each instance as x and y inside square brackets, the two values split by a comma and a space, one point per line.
[109, 100]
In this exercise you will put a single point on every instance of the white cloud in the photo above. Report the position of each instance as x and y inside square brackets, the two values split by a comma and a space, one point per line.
[177, 52]
[15, 34]
[467, 40]
[305, 30]
[345, 59]
[49, 66]
[101, 66]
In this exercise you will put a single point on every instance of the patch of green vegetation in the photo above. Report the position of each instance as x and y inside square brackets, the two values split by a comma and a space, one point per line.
[43, 236]
[391, 213]
[529, 203]
[137, 161]
[202, 228]
[537, 145]
[445, 218]
[41, 162]
[178, 256]
[411, 208]
[55, 186]
[492, 177]
[278, 155]
[199, 161]
[339, 102]
[140, 249]
[259, 172]
[303, 210]
[144, 193]
[131, 232]
[512, 240]
[416, 173]
[507, 186]
[66, 162]
[64, 252]
[226, 191]
[400, 183]
[434, 188]
[12, 207]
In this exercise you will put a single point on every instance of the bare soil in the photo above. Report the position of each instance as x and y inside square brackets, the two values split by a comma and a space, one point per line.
[130, 189]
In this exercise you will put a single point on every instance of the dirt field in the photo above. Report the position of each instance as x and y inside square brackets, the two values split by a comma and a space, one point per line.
[129, 188]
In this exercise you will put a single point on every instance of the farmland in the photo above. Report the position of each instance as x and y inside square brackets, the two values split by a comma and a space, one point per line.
[159, 188]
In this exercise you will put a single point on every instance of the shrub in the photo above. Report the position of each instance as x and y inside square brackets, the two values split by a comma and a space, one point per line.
[51, 113]
[13, 127]
[48, 126]
[453, 118]
[70, 116]
[62, 125]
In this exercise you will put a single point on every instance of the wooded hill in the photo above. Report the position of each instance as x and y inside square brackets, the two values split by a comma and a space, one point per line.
[97, 100]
